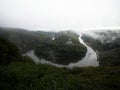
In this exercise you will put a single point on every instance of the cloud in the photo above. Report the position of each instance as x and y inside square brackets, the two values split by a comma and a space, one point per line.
[60, 14]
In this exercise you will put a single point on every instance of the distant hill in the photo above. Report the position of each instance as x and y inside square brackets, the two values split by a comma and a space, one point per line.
[107, 43]
[23, 39]
[103, 40]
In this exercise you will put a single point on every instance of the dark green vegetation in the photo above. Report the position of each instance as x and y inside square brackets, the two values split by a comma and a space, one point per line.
[9, 53]
[27, 76]
[110, 58]
[25, 40]
[20, 73]
[64, 49]
[108, 46]
[106, 40]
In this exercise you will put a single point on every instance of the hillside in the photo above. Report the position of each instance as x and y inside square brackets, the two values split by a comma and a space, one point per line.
[20, 73]
[23, 39]
[103, 40]
[9, 53]
[27, 76]
[64, 49]
[110, 57]
[107, 44]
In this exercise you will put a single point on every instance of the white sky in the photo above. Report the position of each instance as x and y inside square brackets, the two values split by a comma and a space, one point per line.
[60, 14]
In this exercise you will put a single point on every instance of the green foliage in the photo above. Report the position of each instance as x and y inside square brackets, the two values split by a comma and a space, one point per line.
[25, 40]
[105, 45]
[20, 73]
[108, 49]
[110, 58]
[8, 52]
[28, 76]
[58, 51]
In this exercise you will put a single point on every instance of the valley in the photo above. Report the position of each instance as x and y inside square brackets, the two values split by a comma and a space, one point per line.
[37, 60]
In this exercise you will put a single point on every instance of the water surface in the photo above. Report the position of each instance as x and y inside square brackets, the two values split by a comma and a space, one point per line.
[90, 58]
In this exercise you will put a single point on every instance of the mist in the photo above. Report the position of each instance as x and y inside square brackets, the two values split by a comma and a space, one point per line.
[57, 15]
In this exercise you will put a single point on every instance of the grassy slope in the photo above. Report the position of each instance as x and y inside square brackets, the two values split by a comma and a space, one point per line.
[27, 76]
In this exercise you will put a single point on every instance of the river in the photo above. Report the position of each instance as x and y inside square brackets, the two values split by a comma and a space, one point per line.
[90, 58]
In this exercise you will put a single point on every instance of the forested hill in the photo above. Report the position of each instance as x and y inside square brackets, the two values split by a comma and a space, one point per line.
[107, 43]
[45, 47]
[17, 73]
[64, 49]
[103, 40]
[23, 39]
[9, 53]
[20, 73]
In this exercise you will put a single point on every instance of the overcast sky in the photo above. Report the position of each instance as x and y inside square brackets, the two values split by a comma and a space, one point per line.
[60, 14]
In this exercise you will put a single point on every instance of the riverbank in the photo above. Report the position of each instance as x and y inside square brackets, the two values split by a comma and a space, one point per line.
[90, 58]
